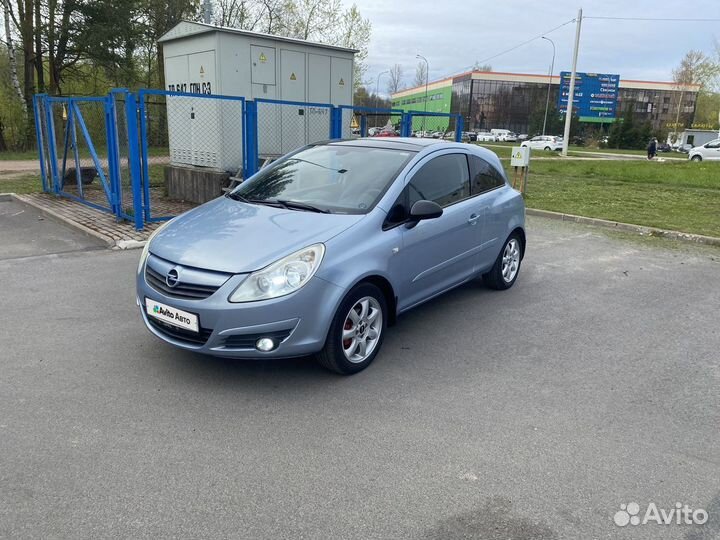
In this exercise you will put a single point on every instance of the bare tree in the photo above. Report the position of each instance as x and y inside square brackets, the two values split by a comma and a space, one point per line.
[481, 67]
[11, 56]
[695, 69]
[420, 74]
[395, 82]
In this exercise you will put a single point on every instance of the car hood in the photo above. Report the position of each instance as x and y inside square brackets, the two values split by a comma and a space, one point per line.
[231, 236]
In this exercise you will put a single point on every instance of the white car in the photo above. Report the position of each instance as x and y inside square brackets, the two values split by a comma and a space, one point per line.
[485, 136]
[504, 135]
[544, 142]
[709, 151]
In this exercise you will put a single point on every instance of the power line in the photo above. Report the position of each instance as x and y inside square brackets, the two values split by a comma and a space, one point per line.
[526, 42]
[513, 48]
[649, 19]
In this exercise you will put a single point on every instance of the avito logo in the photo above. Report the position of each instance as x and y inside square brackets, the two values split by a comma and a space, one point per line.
[681, 514]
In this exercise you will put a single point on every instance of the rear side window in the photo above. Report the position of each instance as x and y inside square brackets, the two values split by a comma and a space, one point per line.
[444, 180]
[484, 176]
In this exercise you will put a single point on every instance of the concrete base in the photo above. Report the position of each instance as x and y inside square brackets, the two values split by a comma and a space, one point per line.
[194, 184]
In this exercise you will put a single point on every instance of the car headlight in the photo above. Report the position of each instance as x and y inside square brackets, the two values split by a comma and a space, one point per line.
[146, 249]
[282, 277]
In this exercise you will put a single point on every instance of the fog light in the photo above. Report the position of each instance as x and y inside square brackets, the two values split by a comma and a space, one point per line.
[265, 344]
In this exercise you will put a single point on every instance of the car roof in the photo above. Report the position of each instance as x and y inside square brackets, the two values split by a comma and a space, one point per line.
[395, 143]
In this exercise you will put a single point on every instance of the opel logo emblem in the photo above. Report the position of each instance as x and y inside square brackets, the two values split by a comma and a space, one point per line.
[172, 278]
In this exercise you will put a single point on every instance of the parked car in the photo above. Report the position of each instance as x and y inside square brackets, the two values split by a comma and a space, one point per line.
[437, 134]
[504, 135]
[544, 142]
[522, 137]
[709, 151]
[685, 148]
[485, 136]
[471, 136]
[319, 252]
[388, 133]
[664, 147]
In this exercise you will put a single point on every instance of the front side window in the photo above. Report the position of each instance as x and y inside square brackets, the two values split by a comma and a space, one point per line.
[713, 144]
[444, 180]
[337, 178]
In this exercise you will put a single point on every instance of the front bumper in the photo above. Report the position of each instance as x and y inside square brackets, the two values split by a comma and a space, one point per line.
[300, 321]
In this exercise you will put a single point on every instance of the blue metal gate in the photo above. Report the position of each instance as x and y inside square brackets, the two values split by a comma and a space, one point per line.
[75, 148]
[113, 152]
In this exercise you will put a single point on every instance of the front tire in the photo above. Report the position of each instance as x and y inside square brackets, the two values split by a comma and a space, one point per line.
[696, 158]
[506, 269]
[356, 332]
[548, 149]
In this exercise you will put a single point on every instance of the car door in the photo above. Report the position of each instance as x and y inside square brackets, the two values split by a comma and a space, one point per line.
[711, 151]
[486, 184]
[439, 253]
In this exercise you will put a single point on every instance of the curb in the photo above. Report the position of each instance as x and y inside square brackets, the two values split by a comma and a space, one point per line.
[627, 227]
[109, 242]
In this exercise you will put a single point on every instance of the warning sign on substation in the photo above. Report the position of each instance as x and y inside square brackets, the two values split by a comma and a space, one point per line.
[293, 77]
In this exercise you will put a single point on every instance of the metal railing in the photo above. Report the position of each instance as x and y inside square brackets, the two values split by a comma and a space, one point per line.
[112, 152]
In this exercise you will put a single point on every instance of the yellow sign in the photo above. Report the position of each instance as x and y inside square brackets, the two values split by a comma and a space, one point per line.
[293, 77]
[341, 83]
[354, 123]
[263, 58]
[202, 72]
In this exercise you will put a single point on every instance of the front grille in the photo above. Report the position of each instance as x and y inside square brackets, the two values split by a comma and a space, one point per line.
[247, 341]
[180, 334]
[184, 291]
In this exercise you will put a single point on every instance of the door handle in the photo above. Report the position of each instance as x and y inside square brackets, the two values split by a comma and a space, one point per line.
[473, 219]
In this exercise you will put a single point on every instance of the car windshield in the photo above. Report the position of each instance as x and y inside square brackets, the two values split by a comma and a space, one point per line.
[335, 178]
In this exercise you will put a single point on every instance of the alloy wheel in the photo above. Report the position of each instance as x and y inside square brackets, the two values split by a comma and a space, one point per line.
[511, 260]
[362, 329]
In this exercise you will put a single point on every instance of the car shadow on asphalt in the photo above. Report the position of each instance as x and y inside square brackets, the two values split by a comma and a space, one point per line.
[304, 370]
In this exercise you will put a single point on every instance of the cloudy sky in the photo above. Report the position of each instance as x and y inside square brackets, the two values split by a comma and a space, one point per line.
[454, 34]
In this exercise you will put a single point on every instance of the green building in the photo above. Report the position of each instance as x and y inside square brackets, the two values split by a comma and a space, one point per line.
[494, 100]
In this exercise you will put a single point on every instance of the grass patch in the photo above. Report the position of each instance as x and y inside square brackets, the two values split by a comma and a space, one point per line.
[679, 196]
[19, 156]
[29, 183]
[83, 152]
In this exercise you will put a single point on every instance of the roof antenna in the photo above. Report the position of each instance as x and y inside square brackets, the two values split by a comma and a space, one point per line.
[207, 11]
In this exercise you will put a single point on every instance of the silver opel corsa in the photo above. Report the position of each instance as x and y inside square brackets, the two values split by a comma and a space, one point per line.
[322, 250]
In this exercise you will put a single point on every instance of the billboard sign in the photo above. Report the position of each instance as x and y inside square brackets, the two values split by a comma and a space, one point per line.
[595, 98]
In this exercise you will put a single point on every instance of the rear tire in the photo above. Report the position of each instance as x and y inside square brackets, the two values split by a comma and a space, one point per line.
[356, 332]
[506, 269]
[548, 149]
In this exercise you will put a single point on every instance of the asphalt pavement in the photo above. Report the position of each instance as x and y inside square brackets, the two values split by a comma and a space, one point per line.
[531, 413]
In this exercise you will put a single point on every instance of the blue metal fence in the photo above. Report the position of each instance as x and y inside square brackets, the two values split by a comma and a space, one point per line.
[125, 140]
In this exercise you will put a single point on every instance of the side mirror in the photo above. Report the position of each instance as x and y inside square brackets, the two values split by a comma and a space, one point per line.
[423, 210]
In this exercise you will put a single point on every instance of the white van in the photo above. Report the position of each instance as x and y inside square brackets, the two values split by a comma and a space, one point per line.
[504, 135]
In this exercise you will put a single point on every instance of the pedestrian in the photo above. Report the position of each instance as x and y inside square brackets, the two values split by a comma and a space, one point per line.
[652, 148]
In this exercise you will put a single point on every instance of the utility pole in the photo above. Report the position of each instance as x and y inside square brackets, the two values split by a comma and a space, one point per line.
[377, 90]
[207, 11]
[552, 68]
[427, 75]
[571, 96]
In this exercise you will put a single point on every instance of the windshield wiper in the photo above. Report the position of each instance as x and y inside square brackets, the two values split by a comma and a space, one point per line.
[238, 197]
[301, 206]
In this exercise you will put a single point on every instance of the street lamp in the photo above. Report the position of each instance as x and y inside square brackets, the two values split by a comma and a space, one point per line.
[377, 89]
[552, 68]
[427, 74]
